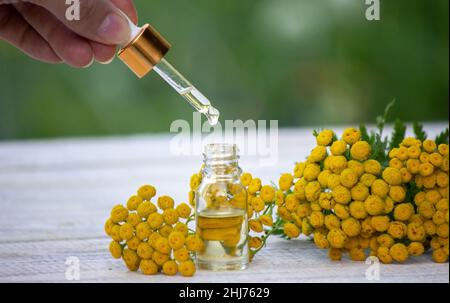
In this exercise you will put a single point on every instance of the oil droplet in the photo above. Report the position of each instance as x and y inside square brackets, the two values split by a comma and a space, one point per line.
[213, 115]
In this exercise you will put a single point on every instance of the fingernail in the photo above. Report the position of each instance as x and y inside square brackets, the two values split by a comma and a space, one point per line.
[106, 62]
[89, 64]
[114, 29]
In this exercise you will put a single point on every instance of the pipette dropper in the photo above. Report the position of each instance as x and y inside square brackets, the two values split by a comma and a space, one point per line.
[146, 50]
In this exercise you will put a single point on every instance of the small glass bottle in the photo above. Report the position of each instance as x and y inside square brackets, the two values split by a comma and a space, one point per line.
[221, 211]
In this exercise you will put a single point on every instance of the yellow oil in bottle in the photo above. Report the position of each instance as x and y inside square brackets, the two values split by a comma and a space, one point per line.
[224, 233]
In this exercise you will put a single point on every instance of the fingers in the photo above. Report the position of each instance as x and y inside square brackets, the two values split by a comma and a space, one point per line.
[45, 38]
[103, 53]
[15, 30]
[73, 49]
[127, 6]
[100, 20]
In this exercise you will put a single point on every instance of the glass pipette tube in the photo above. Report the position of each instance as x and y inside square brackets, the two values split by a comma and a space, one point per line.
[174, 78]
[187, 90]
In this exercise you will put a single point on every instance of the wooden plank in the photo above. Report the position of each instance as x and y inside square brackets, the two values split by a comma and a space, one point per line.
[280, 261]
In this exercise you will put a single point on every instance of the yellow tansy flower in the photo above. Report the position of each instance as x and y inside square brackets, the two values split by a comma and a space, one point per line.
[357, 210]
[148, 267]
[361, 150]
[131, 259]
[429, 146]
[146, 192]
[257, 204]
[380, 223]
[126, 231]
[397, 229]
[115, 249]
[351, 136]
[359, 192]
[348, 178]
[183, 210]
[119, 214]
[255, 242]
[145, 209]
[372, 167]
[170, 268]
[397, 193]
[399, 252]
[338, 164]
[165, 202]
[267, 193]
[133, 202]
[311, 173]
[144, 250]
[416, 249]
[298, 169]
[318, 154]
[341, 195]
[255, 186]
[246, 178]
[403, 211]
[291, 230]
[186, 268]
[351, 227]
[266, 220]
[336, 238]
[338, 147]
[392, 176]
[325, 137]
[181, 254]
[255, 225]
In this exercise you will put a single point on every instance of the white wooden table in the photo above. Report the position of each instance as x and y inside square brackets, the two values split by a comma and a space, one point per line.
[56, 194]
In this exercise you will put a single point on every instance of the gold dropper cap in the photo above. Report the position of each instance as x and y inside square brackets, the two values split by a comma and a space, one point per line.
[144, 51]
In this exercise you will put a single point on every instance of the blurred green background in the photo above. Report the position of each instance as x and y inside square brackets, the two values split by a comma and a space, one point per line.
[301, 62]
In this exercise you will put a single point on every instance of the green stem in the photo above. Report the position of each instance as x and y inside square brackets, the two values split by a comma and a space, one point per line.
[190, 219]
[269, 209]
[264, 238]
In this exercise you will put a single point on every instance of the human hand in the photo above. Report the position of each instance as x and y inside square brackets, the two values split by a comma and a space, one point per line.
[40, 29]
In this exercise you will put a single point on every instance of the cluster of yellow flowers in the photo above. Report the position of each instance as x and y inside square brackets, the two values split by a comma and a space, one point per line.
[260, 204]
[152, 237]
[427, 165]
[352, 195]
[194, 183]
[349, 202]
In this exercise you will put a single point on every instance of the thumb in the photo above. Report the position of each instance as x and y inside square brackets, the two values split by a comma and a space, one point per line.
[100, 20]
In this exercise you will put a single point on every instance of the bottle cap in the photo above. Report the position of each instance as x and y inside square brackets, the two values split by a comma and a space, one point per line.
[144, 51]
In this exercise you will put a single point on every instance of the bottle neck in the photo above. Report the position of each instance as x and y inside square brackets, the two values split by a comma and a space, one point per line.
[221, 161]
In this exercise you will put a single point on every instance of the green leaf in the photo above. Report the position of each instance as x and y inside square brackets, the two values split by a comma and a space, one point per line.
[348, 155]
[274, 185]
[278, 232]
[442, 138]
[327, 212]
[376, 147]
[335, 138]
[364, 133]
[398, 135]
[419, 132]
[381, 120]
[372, 138]
[379, 152]
[411, 192]
[316, 132]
